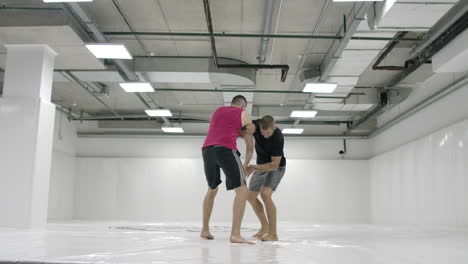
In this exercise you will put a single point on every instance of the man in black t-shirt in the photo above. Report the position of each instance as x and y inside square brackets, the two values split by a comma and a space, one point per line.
[270, 168]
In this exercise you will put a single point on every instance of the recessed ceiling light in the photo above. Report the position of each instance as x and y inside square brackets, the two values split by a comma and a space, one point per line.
[109, 51]
[65, 1]
[320, 87]
[303, 113]
[158, 112]
[172, 129]
[295, 131]
[137, 87]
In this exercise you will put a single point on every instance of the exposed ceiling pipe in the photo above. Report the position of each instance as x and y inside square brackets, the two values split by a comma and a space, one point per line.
[428, 101]
[197, 121]
[25, 8]
[94, 87]
[266, 30]
[248, 35]
[304, 56]
[455, 13]
[2, 72]
[284, 68]
[209, 24]
[127, 70]
[142, 45]
[139, 118]
[343, 152]
[83, 18]
[276, 30]
[85, 22]
[91, 32]
[254, 91]
[427, 3]
[153, 135]
[382, 56]
[73, 78]
[69, 113]
[223, 35]
[357, 14]
[426, 54]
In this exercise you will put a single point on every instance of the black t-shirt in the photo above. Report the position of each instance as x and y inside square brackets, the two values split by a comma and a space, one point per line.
[271, 147]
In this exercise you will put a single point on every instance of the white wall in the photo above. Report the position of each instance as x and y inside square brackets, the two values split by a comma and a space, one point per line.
[420, 173]
[423, 182]
[162, 178]
[62, 180]
[190, 147]
[162, 189]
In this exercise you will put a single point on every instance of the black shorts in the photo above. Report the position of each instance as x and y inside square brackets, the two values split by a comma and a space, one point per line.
[219, 157]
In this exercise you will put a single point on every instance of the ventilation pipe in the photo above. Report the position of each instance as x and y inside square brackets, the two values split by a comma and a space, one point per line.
[266, 30]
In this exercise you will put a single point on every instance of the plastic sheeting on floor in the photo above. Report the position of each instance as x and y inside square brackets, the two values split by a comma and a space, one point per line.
[158, 243]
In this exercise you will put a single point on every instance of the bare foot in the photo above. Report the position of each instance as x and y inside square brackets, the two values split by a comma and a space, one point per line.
[240, 240]
[260, 233]
[269, 237]
[206, 235]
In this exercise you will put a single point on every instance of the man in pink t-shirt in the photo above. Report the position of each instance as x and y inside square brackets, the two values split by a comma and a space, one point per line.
[220, 152]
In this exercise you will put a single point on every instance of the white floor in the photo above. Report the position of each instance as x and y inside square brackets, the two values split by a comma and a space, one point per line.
[84, 242]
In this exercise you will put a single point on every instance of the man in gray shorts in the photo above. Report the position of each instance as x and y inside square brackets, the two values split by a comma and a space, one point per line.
[270, 168]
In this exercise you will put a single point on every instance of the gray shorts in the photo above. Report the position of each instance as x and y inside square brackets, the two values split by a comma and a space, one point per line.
[270, 179]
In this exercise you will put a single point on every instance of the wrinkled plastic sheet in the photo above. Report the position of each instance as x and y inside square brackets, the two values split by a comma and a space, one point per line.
[160, 243]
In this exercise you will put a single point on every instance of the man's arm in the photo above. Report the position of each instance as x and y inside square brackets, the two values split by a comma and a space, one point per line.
[249, 147]
[271, 166]
[247, 134]
[276, 155]
[247, 126]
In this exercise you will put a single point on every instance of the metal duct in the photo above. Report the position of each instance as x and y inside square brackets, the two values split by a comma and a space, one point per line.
[266, 30]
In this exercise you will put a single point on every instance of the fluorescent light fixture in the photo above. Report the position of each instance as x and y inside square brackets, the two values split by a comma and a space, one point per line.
[65, 1]
[320, 87]
[158, 112]
[295, 131]
[109, 51]
[137, 87]
[303, 113]
[172, 129]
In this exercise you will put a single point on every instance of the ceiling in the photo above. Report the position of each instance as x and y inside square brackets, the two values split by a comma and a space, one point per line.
[192, 109]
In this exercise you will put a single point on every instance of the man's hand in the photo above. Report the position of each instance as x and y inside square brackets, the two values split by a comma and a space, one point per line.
[245, 166]
[249, 170]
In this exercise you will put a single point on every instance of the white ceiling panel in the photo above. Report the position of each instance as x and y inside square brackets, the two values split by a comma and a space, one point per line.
[403, 14]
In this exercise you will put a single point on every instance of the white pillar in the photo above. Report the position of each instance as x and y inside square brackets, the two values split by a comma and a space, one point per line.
[26, 136]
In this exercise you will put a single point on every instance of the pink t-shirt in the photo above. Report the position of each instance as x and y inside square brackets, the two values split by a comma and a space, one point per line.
[225, 124]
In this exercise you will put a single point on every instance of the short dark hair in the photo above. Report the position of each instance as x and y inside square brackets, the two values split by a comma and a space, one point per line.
[267, 122]
[238, 99]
